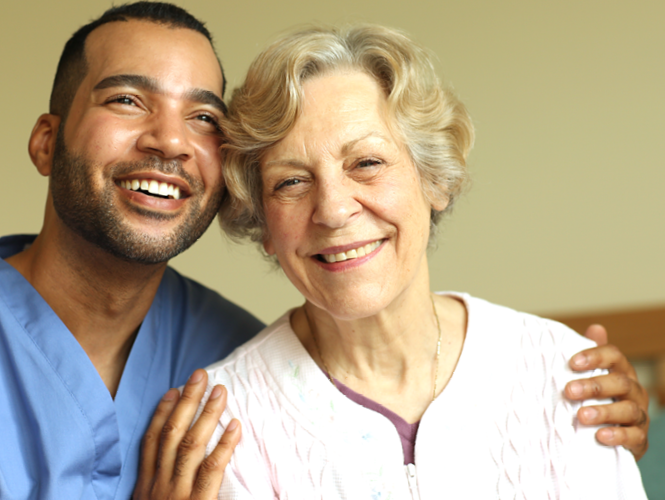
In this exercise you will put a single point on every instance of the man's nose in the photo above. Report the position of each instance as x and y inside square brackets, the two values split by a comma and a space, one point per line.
[336, 203]
[167, 136]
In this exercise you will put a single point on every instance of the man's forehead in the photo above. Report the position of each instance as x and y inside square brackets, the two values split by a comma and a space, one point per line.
[158, 51]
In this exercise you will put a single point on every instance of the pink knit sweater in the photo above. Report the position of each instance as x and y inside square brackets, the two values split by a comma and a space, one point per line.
[501, 428]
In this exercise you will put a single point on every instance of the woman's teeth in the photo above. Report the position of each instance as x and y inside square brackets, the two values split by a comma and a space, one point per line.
[153, 187]
[351, 254]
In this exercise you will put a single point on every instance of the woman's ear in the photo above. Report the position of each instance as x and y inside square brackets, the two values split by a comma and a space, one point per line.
[439, 200]
[267, 246]
[42, 142]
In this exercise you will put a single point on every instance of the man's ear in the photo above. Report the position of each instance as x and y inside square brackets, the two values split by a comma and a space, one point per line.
[42, 142]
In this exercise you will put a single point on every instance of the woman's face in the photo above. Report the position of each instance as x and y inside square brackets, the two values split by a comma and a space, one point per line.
[345, 212]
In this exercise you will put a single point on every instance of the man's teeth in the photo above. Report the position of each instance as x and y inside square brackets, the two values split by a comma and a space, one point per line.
[153, 187]
[351, 254]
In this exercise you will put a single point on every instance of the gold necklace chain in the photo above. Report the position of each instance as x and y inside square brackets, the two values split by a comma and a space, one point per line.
[438, 347]
[316, 344]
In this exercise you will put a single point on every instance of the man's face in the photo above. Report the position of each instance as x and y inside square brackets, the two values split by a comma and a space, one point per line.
[136, 168]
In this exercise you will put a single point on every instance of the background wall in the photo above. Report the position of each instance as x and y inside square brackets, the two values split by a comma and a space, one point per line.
[567, 209]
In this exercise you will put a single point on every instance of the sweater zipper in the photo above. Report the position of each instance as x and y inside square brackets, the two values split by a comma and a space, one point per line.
[413, 481]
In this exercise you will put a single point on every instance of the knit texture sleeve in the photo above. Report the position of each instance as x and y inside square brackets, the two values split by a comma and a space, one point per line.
[247, 475]
[541, 441]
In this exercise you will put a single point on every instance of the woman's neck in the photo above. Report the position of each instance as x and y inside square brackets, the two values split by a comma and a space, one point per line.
[390, 357]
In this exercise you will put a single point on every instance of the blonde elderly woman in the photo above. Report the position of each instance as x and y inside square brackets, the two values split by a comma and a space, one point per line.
[344, 151]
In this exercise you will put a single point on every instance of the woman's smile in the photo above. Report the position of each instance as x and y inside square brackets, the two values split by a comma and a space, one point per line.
[352, 258]
[338, 255]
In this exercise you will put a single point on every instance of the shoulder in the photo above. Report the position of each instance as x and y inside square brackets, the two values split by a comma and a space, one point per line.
[518, 363]
[256, 380]
[192, 302]
[259, 353]
[519, 349]
[203, 301]
[15, 243]
[201, 325]
[271, 372]
[503, 325]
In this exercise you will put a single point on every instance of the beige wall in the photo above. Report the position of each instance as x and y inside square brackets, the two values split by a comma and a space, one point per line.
[567, 209]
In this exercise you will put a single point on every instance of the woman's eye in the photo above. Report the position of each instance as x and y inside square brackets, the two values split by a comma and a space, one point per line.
[369, 162]
[288, 183]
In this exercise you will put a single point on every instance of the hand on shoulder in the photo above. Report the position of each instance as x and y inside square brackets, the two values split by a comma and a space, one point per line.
[627, 417]
[173, 462]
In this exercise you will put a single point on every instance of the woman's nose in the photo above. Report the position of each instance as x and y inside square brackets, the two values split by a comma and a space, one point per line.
[166, 135]
[336, 203]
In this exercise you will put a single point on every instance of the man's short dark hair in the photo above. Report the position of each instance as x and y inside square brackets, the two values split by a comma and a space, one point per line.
[73, 66]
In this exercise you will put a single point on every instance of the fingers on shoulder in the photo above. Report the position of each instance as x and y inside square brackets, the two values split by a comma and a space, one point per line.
[607, 357]
[634, 439]
[611, 385]
[626, 413]
[160, 417]
[211, 471]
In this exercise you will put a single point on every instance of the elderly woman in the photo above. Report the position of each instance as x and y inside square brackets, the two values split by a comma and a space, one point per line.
[344, 152]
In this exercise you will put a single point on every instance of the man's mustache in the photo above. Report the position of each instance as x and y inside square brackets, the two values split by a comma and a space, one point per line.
[155, 164]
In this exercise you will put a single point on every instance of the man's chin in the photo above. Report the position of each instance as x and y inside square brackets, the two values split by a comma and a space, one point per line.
[142, 244]
[144, 250]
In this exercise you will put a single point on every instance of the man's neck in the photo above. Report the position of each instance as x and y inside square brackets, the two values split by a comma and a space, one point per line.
[100, 298]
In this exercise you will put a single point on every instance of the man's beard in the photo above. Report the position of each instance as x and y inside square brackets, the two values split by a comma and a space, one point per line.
[95, 216]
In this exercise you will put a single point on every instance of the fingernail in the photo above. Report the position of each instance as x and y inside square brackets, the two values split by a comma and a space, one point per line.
[606, 434]
[590, 413]
[580, 360]
[170, 395]
[195, 378]
[232, 426]
[216, 392]
[576, 388]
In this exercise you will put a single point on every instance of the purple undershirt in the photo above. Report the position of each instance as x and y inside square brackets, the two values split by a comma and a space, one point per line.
[407, 432]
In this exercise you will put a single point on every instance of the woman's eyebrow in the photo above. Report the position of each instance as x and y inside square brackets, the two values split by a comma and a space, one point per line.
[374, 134]
[346, 148]
[286, 162]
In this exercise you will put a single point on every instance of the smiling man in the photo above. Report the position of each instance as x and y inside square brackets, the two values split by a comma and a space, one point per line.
[94, 327]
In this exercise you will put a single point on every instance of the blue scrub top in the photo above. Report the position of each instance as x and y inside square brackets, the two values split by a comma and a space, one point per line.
[62, 436]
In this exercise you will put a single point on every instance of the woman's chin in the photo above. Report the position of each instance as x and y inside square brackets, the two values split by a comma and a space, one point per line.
[351, 306]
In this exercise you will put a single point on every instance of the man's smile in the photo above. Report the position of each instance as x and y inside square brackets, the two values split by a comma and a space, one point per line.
[151, 187]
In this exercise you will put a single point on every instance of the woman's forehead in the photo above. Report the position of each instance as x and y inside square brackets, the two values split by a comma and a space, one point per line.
[344, 108]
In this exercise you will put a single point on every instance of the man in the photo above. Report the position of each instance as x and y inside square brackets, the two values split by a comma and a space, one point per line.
[131, 147]
[94, 327]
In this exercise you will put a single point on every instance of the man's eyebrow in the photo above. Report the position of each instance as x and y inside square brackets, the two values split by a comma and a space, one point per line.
[206, 97]
[151, 85]
[137, 81]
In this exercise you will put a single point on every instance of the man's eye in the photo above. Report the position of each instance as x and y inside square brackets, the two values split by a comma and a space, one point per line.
[204, 117]
[123, 99]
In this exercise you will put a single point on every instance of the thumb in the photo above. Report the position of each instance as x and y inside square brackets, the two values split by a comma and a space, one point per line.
[597, 333]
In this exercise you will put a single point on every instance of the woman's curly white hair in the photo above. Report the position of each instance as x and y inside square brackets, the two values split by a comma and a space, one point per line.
[430, 120]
